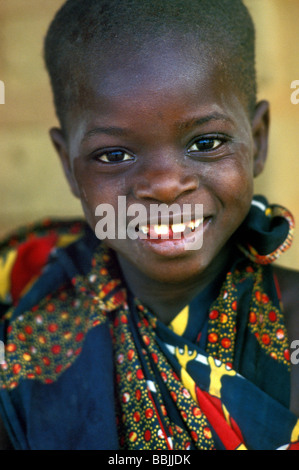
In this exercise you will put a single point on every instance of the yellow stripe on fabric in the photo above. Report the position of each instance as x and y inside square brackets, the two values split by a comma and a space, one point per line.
[65, 240]
[295, 432]
[180, 322]
[6, 266]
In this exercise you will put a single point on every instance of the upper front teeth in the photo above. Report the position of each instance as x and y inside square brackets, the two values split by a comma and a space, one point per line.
[176, 228]
[161, 229]
[144, 229]
[195, 224]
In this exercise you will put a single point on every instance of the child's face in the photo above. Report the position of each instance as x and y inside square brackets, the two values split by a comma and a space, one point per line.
[180, 134]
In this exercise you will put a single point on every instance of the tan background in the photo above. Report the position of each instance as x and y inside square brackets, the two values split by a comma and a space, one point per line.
[31, 182]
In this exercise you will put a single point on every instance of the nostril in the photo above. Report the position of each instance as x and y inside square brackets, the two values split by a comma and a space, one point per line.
[165, 189]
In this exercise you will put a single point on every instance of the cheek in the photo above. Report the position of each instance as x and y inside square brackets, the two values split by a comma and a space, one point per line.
[238, 184]
[95, 189]
[231, 184]
[234, 176]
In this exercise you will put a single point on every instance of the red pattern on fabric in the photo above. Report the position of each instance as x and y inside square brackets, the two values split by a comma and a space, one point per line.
[32, 256]
[293, 446]
[231, 437]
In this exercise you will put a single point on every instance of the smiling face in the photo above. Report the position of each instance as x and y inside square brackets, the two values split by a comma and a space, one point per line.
[165, 127]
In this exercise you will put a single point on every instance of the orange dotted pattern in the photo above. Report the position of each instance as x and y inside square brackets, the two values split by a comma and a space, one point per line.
[265, 320]
[222, 323]
[44, 342]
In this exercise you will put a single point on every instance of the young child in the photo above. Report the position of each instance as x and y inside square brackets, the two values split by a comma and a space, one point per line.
[141, 342]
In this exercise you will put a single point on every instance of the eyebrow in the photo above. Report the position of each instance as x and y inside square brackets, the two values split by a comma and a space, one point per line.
[182, 125]
[200, 121]
[111, 130]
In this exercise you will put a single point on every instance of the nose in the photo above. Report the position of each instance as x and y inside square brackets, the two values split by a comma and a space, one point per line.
[165, 184]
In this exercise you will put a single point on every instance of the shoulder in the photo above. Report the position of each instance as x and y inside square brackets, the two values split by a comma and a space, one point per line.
[24, 254]
[288, 284]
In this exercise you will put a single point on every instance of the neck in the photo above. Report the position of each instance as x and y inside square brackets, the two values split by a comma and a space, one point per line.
[166, 300]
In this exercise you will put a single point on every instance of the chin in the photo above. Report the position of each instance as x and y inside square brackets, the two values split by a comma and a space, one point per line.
[176, 272]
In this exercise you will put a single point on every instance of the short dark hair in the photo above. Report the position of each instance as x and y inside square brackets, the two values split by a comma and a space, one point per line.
[224, 27]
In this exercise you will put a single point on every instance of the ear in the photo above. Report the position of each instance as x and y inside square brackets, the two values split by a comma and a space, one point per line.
[61, 148]
[260, 132]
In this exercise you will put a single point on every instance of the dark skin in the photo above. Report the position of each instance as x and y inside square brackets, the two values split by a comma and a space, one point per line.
[159, 114]
[164, 130]
[161, 108]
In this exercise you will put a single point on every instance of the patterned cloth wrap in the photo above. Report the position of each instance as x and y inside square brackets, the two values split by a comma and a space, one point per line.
[86, 366]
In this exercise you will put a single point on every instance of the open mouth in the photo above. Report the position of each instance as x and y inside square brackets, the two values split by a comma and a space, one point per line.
[169, 231]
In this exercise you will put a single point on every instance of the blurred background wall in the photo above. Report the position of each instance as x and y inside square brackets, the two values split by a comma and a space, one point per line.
[31, 182]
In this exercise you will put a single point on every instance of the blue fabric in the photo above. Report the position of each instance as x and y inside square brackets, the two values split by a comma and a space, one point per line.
[56, 415]
[66, 384]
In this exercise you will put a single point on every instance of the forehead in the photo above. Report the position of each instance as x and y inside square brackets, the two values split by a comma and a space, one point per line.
[157, 67]
[159, 94]
[173, 78]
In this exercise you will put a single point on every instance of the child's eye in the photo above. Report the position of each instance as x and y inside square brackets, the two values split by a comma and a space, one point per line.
[205, 144]
[114, 156]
